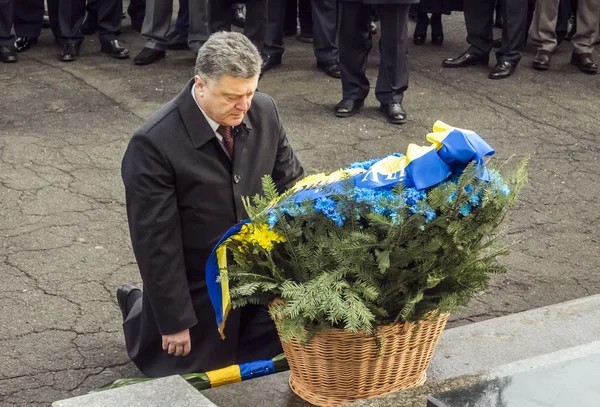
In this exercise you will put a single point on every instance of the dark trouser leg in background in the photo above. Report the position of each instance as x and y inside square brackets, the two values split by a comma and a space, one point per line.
[7, 39]
[479, 19]
[354, 46]
[29, 16]
[514, 31]
[256, 22]
[273, 45]
[325, 18]
[70, 18]
[392, 79]
[110, 14]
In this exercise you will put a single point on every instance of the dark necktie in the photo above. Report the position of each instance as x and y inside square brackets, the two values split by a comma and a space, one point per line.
[225, 132]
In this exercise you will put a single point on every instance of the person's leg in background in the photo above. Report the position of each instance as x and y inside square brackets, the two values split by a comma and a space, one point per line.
[110, 18]
[7, 38]
[156, 27]
[325, 29]
[273, 47]
[354, 44]
[71, 14]
[28, 23]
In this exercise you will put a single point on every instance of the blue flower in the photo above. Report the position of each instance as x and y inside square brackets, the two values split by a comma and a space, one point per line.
[327, 206]
[413, 196]
[464, 209]
[272, 219]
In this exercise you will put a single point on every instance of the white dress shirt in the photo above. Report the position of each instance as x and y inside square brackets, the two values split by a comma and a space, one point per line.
[213, 124]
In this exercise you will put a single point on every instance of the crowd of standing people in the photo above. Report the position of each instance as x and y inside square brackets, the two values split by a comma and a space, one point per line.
[340, 31]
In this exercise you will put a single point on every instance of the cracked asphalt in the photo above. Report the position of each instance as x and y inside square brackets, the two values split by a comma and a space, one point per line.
[64, 243]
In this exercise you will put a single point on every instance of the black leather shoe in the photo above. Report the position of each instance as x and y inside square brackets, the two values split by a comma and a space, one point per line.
[541, 61]
[347, 107]
[69, 53]
[394, 112]
[239, 18]
[437, 30]
[24, 43]
[503, 69]
[466, 59]
[420, 34]
[148, 56]
[373, 28]
[331, 68]
[270, 61]
[115, 49]
[122, 294]
[497, 43]
[584, 62]
[8, 54]
[90, 25]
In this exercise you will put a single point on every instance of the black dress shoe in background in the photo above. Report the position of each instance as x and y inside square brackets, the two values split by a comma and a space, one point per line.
[497, 43]
[394, 112]
[373, 28]
[24, 43]
[331, 68]
[503, 69]
[571, 27]
[466, 59]
[123, 293]
[115, 49]
[348, 107]
[270, 61]
[239, 18]
[69, 52]
[584, 62]
[90, 25]
[541, 61]
[420, 33]
[8, 54]
[148, 56]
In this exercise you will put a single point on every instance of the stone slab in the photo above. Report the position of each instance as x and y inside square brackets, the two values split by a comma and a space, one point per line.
[569, 383]
[172, 391]
[473, 348]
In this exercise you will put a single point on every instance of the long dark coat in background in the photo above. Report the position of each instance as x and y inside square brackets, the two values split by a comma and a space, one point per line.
[183, 192]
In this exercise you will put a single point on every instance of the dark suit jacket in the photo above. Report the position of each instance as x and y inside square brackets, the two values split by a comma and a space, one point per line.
[183, 192]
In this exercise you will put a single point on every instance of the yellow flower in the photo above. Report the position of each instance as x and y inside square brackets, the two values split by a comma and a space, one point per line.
[252, 234]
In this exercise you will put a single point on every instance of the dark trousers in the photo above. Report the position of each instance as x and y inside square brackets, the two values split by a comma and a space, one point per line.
[298, 10]
[255, 27]
[71, 14]
[137, 10]
[29, 15]
[479, 19]
[565, 8]
[6, 22]
[355, 43]
[324, 29]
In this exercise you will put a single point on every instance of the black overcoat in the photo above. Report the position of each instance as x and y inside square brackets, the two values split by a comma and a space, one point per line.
[183, 192]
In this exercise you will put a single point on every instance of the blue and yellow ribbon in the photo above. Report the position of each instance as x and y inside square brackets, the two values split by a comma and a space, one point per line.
[451, 150]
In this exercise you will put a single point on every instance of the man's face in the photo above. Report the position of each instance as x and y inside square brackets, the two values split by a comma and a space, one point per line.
[227, 100]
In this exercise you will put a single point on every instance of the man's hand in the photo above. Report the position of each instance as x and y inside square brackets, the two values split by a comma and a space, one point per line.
[178, 344]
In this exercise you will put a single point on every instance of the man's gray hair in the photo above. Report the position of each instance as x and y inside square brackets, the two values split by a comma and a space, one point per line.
[227, 53]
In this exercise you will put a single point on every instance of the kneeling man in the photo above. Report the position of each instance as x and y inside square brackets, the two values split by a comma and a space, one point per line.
[185, 172]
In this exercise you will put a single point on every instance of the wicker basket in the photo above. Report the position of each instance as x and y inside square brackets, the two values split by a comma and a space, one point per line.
[338, 367]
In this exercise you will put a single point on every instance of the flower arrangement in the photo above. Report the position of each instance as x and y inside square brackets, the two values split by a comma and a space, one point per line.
[380, 242]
